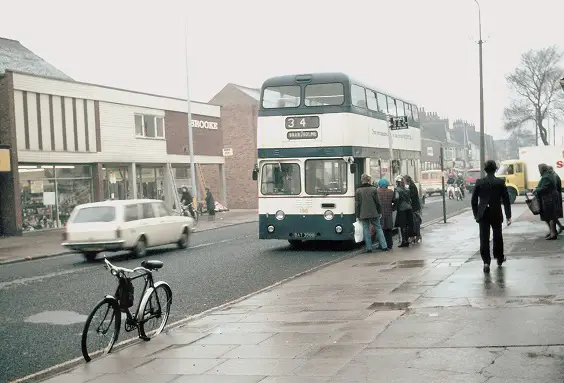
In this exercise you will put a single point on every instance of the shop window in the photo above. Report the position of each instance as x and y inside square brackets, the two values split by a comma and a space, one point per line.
[149, 126]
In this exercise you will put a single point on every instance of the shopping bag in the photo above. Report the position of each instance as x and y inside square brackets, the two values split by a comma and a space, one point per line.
[358, 234]
[533, 204]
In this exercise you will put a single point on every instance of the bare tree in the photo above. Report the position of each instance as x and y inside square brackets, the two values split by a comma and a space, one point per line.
[537, 88]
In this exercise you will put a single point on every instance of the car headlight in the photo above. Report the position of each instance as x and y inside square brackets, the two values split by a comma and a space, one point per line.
[328, 215]
[280, 215]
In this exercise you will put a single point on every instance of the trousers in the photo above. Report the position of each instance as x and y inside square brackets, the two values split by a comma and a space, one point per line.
[496, 227]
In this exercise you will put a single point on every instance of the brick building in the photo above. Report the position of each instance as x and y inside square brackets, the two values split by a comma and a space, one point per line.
[71, 143]
[239, 113]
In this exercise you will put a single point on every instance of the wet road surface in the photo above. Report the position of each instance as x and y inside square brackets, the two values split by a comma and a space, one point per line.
[45, 302]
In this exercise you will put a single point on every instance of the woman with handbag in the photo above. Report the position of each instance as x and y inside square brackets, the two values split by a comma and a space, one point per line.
[415, 235]
[548, 196]
[404, 215]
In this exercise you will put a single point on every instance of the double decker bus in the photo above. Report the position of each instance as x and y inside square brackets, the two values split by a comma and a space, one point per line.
[317, 134]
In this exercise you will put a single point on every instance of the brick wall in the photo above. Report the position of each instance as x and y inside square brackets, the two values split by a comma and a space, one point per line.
[239, 124]
[10, 203]
[211, 174]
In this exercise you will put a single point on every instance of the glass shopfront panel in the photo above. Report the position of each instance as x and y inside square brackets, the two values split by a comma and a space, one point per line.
[150, 182]
[50, 193]
[120, 189]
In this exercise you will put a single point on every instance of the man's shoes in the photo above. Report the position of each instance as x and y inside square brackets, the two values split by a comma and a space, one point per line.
[486, 268]
[501, 260]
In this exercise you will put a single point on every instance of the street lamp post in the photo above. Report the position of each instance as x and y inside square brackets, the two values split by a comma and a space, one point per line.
[482, 135]
[189, 119]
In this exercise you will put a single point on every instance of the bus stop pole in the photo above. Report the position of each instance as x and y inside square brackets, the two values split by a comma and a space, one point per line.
[442, 156]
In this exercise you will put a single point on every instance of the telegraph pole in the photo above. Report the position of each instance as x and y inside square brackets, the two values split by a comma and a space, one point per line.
[482, 134]
[442, 159]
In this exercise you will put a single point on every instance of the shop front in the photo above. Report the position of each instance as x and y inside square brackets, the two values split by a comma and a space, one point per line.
[49, 193]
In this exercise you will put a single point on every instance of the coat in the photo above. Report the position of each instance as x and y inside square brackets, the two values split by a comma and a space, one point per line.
[547, 193]
[386, 197]
[490, 192]
[414, 194]
[558, 183]
[367, 203]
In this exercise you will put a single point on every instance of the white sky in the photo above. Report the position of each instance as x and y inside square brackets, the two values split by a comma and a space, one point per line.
[423, 50]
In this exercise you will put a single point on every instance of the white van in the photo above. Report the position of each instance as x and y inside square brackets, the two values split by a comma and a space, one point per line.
[117, 225]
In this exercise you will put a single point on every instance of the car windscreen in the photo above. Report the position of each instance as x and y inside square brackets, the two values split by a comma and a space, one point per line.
[95, 214]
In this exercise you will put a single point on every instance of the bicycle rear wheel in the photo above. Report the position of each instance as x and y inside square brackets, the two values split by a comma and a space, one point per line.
[156, 312]
[108, 324]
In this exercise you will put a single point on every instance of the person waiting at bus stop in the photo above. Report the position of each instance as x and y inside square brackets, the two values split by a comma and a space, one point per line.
[369, 212]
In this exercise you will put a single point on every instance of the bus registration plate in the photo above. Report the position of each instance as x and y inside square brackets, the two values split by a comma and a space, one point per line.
[304, 235]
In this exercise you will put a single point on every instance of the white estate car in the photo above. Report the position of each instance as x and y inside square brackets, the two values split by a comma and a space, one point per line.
[117, 225]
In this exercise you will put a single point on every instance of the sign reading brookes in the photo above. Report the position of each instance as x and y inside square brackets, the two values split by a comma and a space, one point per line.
[205, 124]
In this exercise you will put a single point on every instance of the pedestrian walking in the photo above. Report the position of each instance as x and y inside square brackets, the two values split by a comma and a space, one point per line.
[210, 205]
[489, 194]
[368, 212]
[386, 197]
[547, 194]
[559, 212]
[415, 235]
[404, 215]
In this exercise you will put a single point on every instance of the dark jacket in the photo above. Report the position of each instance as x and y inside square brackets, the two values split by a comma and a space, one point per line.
[549, 198]
[402, 199]
[186, 198]
[558, 184]
[414, 194]
[367, 202]
[491, 192]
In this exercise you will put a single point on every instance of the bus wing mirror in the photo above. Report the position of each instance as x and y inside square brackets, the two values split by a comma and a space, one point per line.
[353, 168]
[255, 174]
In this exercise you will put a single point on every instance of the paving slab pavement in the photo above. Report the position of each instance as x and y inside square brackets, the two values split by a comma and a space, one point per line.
[47, 243]
[423, 314]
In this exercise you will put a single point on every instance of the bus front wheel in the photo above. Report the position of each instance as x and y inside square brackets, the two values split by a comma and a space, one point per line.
[512, 194]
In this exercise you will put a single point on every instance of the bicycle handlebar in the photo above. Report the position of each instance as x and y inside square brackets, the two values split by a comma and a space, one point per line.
[116, 270]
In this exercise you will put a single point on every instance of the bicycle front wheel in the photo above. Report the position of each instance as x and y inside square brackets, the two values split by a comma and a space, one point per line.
[101, 329]
[156, 312]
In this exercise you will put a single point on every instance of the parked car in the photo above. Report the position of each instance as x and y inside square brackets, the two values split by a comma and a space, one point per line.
[117, 225]
[471, 176]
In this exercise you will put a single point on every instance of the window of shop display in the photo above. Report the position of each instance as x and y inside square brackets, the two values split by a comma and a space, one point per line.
[50, 193]
[150, 182]
[120, 188]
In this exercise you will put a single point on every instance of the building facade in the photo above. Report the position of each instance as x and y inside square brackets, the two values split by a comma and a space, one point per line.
[239, 112]
[72, 143]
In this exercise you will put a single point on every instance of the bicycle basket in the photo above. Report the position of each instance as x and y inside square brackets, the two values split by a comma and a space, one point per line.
[125, 293]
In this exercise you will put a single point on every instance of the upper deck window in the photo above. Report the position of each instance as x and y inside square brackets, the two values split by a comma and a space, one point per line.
[324, 94]
[281, 97]
[358, 96]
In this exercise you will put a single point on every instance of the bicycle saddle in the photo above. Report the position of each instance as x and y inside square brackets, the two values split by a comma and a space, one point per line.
[152, 265]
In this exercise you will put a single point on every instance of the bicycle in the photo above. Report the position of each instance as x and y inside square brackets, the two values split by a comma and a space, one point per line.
[150, 306]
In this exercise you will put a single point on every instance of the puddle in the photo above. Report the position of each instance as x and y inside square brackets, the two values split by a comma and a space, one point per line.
[57, 318]
[389, 306]
[371, 264]
[409, 263]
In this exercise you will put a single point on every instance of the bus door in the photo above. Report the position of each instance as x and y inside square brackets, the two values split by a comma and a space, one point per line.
[360, 169]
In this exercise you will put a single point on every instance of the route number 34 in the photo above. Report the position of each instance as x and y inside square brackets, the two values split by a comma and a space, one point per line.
[291, 122]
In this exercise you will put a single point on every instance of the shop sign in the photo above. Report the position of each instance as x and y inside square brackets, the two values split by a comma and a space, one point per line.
[205, 124]
[227, 152]
[5, 164]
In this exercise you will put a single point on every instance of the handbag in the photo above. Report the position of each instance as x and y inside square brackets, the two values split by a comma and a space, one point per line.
[533, 204]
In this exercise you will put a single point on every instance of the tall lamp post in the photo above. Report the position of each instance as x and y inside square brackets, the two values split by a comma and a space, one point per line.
[482, 135]
[562, 83]
[189, 120]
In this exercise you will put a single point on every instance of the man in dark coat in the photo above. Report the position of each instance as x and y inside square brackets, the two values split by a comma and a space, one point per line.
[369, 212]
[489, 194]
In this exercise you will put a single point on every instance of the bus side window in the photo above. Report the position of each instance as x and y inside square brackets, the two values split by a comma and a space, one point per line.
[415, 113]
[358, 96]
[382, 104]
[371, 100]
[392, 106]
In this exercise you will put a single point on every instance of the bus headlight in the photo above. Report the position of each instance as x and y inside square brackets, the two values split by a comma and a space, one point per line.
[270, 229]
[328, 215]
[338, 229]
[280, 215]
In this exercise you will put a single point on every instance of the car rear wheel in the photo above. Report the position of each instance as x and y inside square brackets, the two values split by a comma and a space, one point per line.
[90, 256]
[140, 249]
